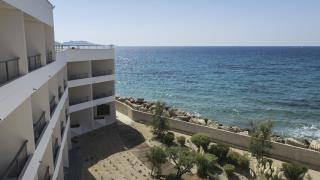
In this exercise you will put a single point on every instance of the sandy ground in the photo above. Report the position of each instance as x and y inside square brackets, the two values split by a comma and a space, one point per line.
[118, 152]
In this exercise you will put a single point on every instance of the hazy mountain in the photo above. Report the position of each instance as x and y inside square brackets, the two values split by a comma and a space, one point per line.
[78, 43]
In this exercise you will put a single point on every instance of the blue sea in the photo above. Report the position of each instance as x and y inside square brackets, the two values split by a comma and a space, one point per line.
[232, 85]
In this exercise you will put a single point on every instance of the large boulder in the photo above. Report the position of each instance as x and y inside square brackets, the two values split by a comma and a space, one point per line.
[315, 145]
[295, 142]
[234, 129]
[135, 106]
[140, 101]
[184, 118]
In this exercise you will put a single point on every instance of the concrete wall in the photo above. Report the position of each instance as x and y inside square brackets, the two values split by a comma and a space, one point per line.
[88, 54]
[40, 103]
[12, 37]
[279, 151]
[102, 65]
[75, 68]
[35, 39]
[14, 130]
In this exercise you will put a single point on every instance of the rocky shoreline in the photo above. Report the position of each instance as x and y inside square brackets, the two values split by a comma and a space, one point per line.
[174, 113]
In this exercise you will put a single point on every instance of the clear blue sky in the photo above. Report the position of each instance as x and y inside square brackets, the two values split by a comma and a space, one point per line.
[189, 22]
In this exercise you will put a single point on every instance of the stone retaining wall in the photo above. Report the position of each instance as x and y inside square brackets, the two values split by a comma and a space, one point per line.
[279, 151]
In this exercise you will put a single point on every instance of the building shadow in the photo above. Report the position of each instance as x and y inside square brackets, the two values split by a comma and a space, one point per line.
[90, 148]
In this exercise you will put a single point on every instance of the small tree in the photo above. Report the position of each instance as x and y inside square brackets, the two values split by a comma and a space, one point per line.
[182, 158]
[205, 162]
[181, 140]
[220, 151]
[157, 156]
[201, 140]
[260, 144]
[168, 138]
[159, 122]
[294, 171]
[229, 169]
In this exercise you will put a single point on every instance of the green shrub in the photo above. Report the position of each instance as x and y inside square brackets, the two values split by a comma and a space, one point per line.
[232, 157]
[181, 140]
[205, 162]
[241, 161]
[168, 138]
[229, 169]
[294, 171]
[220, 151]
[201, 140]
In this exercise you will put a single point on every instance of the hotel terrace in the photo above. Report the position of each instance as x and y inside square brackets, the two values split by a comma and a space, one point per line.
[48, 94]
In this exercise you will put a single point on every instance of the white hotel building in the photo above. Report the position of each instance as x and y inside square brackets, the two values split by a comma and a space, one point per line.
[36, 87]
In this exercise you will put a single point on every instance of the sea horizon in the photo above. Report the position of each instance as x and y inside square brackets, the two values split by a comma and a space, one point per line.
[230, 84]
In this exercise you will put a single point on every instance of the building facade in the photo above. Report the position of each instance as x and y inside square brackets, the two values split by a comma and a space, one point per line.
[36, 87]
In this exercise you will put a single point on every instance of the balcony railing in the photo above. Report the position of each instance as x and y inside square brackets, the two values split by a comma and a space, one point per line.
[39, 126]
[34, 62]
[102, 95]
[78, 76]
[65, 85]
[49, 58]
[65, 47]
[52, 105]
[55, 150]
[9, 70]
[78, 100]
[62, 128]
[66, 113]
[16, 166]
[60, 92]
[102, 73]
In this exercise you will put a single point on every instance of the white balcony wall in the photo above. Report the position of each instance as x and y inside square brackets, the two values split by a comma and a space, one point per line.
[73, 55]
[12, 37]
[35, 38]
[47, 159]
[14, 130]
[40, 102]
[79, 68]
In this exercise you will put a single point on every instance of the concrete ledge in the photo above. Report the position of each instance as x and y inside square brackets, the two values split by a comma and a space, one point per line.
[284, 152]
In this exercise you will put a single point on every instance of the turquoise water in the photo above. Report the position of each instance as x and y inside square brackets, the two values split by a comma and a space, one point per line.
[232, 85]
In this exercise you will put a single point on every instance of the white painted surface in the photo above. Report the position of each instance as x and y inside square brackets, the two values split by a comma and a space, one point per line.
[91, 80]
[16, 92]
[39, 9]
[73, 55]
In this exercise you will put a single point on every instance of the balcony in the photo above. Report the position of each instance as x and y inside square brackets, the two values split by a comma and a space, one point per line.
[102, 73]
[66, 114]
[55, 150]
[34, 62]
[79, 100]
[52, 105]
[16, 166]
[9, 70]
[78, 76]
[102, 95]
[49, 58]
[39, 126]
[45, 175]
